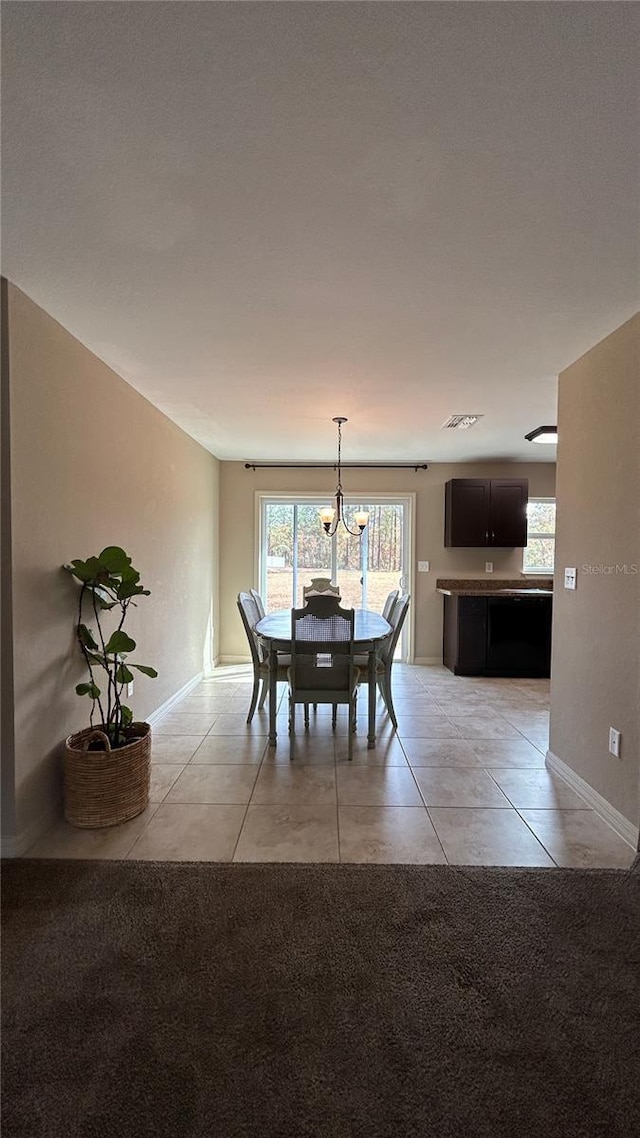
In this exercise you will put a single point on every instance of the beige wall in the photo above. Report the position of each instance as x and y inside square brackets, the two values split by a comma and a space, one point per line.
[238, 533]
[596, 633]
[94, 464]
[6, 608]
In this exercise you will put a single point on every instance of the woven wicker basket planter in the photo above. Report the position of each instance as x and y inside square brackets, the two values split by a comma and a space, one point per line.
[105, 787]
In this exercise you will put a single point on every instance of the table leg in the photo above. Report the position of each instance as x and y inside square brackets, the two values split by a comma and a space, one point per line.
[371, 737]
[273, 695]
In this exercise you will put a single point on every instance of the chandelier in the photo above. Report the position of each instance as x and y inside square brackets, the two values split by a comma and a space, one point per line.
[332, 516]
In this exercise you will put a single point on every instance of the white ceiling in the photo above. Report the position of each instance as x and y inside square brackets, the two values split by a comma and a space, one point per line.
[263, 215]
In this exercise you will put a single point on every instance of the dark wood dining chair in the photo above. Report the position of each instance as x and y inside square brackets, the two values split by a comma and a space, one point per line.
[320, 586]
[250, 615]
[259, 603]
[387, 607]
[322, 668]
[384, 660]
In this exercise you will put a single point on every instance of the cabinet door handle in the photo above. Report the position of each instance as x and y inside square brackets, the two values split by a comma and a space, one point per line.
[486, 537]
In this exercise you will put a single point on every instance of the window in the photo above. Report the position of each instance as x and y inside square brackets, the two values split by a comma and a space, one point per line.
[539, 554]
[293, 548]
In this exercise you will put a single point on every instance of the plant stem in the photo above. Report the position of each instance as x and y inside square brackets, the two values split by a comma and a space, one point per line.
[105, 664]
[118, 692]
[87, 661]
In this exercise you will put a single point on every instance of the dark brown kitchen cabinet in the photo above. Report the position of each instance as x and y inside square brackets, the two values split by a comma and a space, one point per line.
[482, 512]
[465, 635]
[497, 636]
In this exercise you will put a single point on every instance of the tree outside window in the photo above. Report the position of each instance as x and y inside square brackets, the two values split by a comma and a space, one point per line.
[539, 554]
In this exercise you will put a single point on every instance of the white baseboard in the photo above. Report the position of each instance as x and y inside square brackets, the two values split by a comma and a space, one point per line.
[15, 845]
[622, 826]
[428, 660]
[174, 699]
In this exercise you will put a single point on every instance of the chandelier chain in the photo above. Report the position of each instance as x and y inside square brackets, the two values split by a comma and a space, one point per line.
[330, 527]
[339, 455]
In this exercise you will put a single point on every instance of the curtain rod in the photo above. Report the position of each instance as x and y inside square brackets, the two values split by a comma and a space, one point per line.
[333, 466]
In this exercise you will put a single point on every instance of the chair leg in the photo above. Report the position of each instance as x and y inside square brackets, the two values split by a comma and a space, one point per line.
[254, 695]
[387, 698]
[334, 715]
[264, 693]
[380, 685]
[351, 713]
[306, 716]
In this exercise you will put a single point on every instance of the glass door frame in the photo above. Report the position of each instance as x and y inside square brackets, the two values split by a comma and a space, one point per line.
[407, 500]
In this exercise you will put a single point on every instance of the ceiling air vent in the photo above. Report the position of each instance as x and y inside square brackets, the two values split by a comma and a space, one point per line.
[461, 422]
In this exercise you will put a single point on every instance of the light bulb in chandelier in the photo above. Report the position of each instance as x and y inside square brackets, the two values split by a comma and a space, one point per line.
[331, 516]
[327, 514]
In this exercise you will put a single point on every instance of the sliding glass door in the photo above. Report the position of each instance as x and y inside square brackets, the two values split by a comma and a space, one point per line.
[294, 548]
[369, 567]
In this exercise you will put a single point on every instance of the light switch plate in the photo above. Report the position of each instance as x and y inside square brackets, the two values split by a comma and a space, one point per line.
[614, 742]
[423, 567]
[570, 576]
[488, 566]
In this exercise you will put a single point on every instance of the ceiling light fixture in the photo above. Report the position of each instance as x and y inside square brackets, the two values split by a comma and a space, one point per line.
[332, 516]
[543, 435]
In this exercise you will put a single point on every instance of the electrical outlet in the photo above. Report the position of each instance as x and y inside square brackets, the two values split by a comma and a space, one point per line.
[614, 742]
[423, 567]
[130, 689]
[570, 578]
[488, 566]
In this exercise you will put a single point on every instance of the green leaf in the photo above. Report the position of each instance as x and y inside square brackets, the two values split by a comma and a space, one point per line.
[86, 637]
[90, 572]
[114, 559]
[127, 715]
[146, 669]
[95, 570]
[97, 658]
[129, 574]
[130, 588]
[120, 642]
[88, 689]
[79, 569]
[123, 675]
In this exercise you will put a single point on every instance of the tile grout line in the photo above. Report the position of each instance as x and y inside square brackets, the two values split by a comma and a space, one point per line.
[548, 852]
[426, 808]
[246, 811]
[530, 706]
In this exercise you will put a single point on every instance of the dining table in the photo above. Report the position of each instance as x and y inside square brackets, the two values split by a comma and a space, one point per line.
[370, 630]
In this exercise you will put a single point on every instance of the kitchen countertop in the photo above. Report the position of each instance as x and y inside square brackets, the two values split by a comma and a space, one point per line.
[462, 592]
[525, 587]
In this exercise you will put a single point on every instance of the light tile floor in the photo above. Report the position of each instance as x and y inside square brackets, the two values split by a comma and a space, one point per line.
[462, 781]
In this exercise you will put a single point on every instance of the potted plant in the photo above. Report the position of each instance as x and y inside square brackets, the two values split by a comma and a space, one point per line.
[107, 765]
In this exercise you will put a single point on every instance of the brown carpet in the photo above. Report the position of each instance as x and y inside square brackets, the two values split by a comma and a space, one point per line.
[228, 1001]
